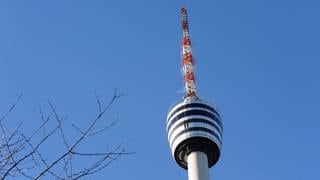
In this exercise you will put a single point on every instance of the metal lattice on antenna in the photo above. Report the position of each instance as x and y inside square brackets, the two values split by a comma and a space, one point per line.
[187, 58]
[194, 126]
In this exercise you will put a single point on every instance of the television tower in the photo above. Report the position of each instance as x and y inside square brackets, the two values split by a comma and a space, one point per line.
[194, 126]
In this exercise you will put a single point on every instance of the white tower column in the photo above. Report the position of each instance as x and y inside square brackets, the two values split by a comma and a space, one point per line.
[198, 166]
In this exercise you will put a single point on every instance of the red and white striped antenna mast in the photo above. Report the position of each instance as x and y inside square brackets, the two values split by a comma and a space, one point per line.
[187, 58]
[194, 127]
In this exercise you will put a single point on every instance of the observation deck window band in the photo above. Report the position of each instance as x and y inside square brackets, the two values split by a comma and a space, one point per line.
[200, 129]
[194, 105]
[186, 118]
[188, 135]
[177, 136]
[178, 107]
[195, 112]
[195, 120]
[177, 121]
[172, 116]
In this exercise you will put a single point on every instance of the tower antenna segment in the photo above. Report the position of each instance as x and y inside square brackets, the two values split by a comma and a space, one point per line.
[187, 58]
[194, 127]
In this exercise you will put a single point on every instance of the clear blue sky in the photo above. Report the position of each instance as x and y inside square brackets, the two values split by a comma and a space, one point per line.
[258, 60]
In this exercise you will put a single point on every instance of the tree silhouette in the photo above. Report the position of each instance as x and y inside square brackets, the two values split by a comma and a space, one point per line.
[22, 155]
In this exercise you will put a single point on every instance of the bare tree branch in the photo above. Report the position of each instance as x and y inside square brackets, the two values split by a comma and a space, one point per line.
[19, 153]
[11, 108]
[82, 137]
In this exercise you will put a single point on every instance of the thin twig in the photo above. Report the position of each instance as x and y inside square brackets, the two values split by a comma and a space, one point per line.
[11, 107]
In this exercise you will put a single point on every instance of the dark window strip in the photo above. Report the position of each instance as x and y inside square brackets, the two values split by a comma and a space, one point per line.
[196, 120]
[194, 105]
[194, 129]
[195, 112]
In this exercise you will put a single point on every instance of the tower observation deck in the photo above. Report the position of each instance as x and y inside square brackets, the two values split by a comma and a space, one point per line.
[194, 126]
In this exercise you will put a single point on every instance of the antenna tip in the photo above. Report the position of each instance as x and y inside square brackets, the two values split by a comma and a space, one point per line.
[183, 9]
